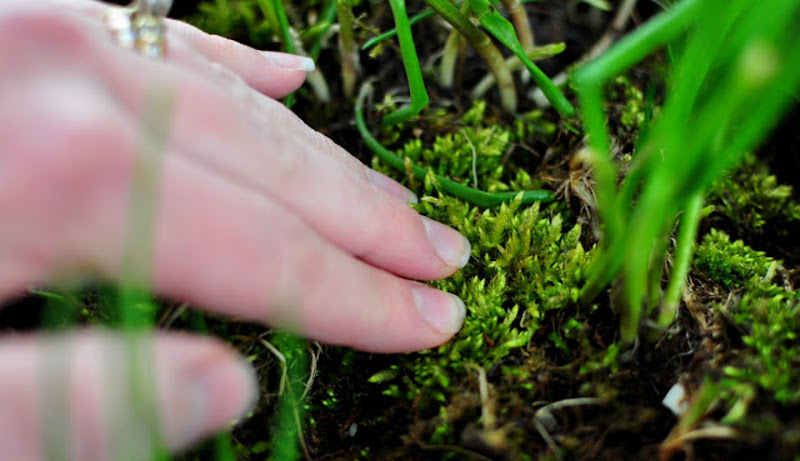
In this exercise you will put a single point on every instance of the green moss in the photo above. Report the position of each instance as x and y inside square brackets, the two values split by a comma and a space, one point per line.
[526, 263]
[254, 22]
[752, 198]
[773, 362]
[632, 111]
[475, 149]
[766, 313]
[734, 264]
[762, 306]
[469, 152]
[240, 20]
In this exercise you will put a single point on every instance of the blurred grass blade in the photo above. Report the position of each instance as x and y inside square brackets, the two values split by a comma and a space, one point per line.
[134, 299]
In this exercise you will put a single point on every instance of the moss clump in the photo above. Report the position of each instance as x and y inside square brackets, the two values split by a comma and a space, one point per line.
[240, 20]
[526, 264]
[475, 149]
[753, 199]
[771, 327]
[763, 370]
[736, 265]
[632, 112]
[523, 266]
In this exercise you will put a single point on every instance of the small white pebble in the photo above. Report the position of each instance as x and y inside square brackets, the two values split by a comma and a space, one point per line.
[676, 399]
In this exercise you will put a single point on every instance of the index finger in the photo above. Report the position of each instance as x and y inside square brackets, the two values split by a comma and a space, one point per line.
[271, 73]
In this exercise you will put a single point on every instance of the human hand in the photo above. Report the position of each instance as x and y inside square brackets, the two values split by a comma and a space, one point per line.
[259, 217]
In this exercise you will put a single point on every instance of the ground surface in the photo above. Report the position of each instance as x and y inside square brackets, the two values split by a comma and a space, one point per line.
[433, 406]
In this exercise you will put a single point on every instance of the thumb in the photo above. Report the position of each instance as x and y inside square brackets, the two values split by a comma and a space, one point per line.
[96, 396]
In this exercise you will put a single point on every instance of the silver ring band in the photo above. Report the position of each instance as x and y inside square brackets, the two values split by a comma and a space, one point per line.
[140, 26]
[156, 8]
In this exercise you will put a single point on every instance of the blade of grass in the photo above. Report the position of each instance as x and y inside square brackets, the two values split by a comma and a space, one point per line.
[684, 246]
[223, 448]
[325, 22]
[60, 312]
[136, 310]
[424, 14]
[419, 96]
[474, 196]
[589, 80]
[504, 31]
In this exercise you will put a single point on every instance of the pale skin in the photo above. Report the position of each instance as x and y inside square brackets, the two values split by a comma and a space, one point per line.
[259, 217]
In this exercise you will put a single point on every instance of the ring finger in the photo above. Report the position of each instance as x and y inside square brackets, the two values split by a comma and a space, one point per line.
[272, 73]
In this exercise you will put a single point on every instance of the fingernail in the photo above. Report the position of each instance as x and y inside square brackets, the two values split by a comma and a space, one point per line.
[452, 247]
[221, 392]
[391, 186]
[288, 61]
[443, 311]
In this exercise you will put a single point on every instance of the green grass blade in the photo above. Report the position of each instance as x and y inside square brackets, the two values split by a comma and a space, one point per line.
[325, 22]
[684, 246]
[504, 31]
[424, 14]
[223, 448]
[474, 196]
[135, 308]
[416, 85]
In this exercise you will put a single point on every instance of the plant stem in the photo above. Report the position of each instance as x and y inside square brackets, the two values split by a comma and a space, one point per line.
[452, 49]
[503, 30]
[513, 63]
[658, 254]
[347, 47]
[326, 17]
[283, 25]
[589, 80]
[684, 246]
[474, 196]
[484, 46]
[450, 53]
[521, 23]
[416, 86]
